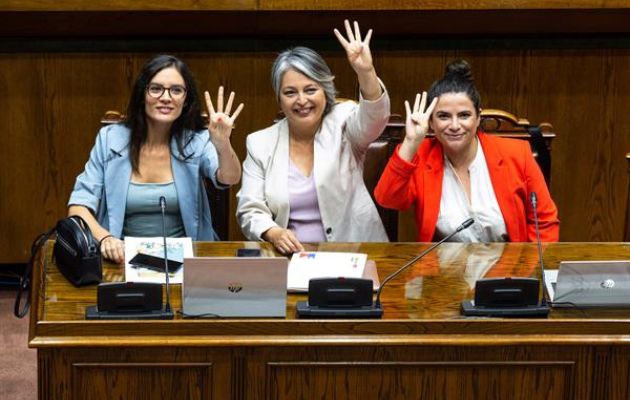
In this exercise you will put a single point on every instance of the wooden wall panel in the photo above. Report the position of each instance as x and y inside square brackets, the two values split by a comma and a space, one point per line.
[418, 372]
[52, 103]
[421, 380]
[136, 373]
[72, 5]
[110, 5]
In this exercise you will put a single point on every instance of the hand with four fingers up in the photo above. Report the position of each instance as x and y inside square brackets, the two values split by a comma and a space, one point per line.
[360, 58]
[416, 125]
[220, 123]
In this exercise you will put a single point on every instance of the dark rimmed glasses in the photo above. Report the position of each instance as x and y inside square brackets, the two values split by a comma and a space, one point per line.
[176, 92]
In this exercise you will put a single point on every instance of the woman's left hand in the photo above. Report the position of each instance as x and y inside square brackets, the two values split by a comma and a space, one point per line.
[357, 49]
[220, 123]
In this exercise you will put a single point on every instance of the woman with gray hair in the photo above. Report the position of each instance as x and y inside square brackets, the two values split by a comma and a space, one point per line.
[303, 176]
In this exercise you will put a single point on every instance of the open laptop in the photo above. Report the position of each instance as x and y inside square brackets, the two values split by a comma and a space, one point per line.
[593, 284]
[235, 287]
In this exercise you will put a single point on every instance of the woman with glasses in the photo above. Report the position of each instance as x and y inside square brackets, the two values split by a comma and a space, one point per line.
[303, 176]
[161, 150]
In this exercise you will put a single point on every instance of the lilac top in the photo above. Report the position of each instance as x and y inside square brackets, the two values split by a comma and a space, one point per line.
[304, 217]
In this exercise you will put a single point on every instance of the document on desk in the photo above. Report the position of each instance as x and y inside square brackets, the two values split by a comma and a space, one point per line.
[551, 277]
[321, 264]
[177, 250]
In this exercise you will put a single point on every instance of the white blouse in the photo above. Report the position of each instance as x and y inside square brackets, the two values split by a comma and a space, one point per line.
[483, 206]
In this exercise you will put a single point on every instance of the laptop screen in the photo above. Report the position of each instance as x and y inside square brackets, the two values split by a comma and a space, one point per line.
[235, 287]
[593, 283]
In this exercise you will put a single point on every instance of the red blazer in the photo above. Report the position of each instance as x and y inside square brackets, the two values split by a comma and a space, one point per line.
[514, 174]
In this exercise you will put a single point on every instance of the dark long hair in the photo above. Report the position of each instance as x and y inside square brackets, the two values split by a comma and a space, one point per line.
[189, 120]
[457, 79]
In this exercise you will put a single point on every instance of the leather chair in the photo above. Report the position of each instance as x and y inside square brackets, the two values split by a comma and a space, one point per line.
[504, 124]
[626, 234]
[376, 159]
[219, 199]
[496, 122]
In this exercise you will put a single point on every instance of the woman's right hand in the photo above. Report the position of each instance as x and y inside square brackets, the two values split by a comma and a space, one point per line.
[417, 122]
[113, 249]
[283, 240]
[416, 125]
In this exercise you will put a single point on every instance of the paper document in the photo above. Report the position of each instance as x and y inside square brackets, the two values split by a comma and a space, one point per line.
[551, 277]
[177, 249]
[320, 264]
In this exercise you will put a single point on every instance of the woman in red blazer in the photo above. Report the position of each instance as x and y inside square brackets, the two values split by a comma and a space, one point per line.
[463, 173]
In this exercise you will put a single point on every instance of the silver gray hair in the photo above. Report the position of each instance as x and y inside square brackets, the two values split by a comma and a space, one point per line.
[309, 63]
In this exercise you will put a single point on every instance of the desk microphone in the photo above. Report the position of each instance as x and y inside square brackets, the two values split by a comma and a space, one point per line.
[352, 298]
[133, 300]
[167, 306]
[511, 297]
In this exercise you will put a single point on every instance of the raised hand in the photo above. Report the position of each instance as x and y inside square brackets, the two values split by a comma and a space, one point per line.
[417, 122]
[220, 123]
[416, 125]
[357, 49]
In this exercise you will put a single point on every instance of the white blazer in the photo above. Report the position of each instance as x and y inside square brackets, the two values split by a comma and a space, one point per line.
[347, 210]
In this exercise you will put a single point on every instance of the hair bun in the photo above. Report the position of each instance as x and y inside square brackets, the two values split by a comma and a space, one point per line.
[459, 69]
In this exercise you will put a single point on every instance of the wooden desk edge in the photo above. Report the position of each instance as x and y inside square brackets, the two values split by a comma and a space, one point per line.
[323, 340]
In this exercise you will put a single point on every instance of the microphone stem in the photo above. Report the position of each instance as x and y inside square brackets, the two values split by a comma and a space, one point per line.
[534, 202]
[463, 226]
[167, 307]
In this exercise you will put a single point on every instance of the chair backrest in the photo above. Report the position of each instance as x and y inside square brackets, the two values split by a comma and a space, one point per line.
[504, 124]
[376, 158]
[626, 235]
[219, 199]
[495, 122]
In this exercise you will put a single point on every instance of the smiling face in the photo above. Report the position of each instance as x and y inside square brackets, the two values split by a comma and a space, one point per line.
[166, 108]
[302, 100]
[455, 121]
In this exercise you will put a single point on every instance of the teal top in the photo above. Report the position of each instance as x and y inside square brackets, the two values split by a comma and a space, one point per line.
[143, 215]
[102, 186]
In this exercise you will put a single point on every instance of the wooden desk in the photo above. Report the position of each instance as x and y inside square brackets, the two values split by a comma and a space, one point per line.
[422, 348]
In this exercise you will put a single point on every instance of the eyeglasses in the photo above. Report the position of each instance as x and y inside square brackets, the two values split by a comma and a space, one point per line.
[176, 92]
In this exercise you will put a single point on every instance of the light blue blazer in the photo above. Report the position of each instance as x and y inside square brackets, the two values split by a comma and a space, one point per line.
[102, 186]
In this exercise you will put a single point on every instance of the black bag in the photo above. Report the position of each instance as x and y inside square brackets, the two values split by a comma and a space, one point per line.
[75, 252]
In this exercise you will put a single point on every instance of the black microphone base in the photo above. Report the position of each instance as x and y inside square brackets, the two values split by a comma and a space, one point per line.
[92, 312]
[304, 310]
[537, 311]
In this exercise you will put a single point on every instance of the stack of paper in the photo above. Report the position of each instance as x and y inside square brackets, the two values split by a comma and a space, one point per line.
[177, 249]
[319, 264]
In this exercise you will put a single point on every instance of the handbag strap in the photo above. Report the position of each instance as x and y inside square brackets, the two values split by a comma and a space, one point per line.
[93, 246]
[25, 279]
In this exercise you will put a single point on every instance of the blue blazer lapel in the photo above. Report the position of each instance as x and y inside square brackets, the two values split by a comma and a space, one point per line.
[186, 176]
[117, 178]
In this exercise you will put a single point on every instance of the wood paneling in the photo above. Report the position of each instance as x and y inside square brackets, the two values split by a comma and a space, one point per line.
[104, 5]
[140, 373]
[127, 5]
[626, 235]
[132, 380]
[54, 102]
[306, 19]
[439, 5]
[441, 373]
